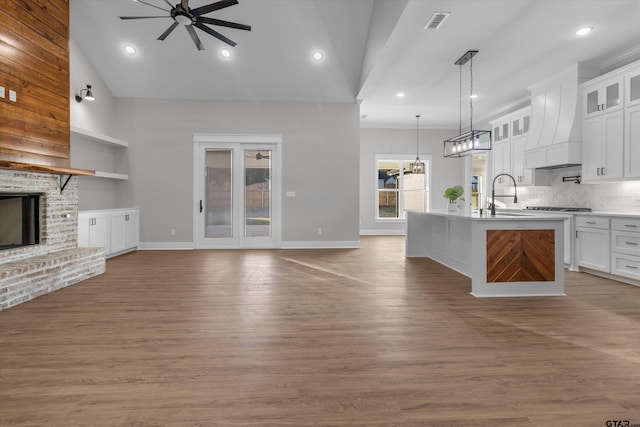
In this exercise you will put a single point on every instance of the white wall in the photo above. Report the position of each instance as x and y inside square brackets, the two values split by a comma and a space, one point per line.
[320, 156]
[445, 172]
[96, 116]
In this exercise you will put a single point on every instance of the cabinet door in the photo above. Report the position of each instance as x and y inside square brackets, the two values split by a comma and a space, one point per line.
[118, 223]
[591, 149]
[612, 145]
[84, 221]
[99, 231]
[602, 147]
[523, 176]
[591, 100]
[632, 88]
[632, 142]
[501, 157]
[132, 229]
[592, 248]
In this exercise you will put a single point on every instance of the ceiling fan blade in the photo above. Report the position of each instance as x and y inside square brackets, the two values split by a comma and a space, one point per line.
[153, 5]
[213, 6]
[212, 21]
[215, 34]
[194, 37]
[142, 17]
[168, 31]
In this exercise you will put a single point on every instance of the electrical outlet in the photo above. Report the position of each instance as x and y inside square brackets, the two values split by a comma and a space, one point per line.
[319, 231]
[173, 231]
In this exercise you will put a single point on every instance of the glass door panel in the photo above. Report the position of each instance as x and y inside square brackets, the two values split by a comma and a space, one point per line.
[257, 193]
[236, 194]
[218, 194]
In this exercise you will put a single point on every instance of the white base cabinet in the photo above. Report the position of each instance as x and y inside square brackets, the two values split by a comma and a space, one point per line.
[94, 229]
[592, 243]
[625, 247]
[116, 230]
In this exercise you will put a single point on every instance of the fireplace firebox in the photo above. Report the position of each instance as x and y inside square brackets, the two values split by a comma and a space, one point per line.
[19, 220]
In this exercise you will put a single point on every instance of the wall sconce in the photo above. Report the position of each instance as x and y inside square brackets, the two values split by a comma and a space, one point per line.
[88, 94]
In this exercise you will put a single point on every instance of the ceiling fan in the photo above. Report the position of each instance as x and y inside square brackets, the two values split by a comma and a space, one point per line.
[182, 14]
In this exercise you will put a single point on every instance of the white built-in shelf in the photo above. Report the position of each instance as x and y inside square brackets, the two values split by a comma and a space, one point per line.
[111, 175]
[103, 139]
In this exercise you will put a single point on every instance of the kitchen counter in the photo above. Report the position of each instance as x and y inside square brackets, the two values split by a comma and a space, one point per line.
[510, 254]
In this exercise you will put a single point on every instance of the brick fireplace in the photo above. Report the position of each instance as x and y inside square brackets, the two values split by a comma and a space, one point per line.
[30, 271]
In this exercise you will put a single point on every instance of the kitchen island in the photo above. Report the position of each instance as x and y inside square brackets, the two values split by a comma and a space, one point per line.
[510, 254]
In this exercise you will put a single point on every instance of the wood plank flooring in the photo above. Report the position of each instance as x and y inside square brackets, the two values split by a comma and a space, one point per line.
[361, 337]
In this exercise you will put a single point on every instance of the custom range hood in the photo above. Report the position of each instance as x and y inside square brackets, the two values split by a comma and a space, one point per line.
[555, 135]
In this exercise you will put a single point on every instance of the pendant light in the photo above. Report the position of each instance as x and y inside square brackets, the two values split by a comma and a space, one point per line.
[473, 141]
[417, 166]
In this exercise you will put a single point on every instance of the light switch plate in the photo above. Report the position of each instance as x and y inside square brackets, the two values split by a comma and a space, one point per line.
[1, 91]
[12, 95]
[290, 194]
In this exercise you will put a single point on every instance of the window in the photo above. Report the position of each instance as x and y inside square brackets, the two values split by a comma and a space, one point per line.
[398, 189]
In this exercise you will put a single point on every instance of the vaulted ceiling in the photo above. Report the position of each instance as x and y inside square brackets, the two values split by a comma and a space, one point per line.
[373, 49]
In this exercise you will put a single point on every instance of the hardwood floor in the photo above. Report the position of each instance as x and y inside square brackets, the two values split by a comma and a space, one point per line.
[359, 337]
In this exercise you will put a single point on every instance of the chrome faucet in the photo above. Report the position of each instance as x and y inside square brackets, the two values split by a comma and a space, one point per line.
[493, 193]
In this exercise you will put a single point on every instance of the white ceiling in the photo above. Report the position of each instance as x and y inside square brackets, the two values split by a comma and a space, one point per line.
[373, 50]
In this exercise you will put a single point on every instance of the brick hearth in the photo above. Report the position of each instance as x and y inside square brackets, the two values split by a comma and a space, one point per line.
[31, 271]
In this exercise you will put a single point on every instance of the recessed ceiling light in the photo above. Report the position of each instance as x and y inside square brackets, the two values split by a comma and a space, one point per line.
[130, 49]
[474, 96]
[584, 31]
[317, 56]
[225, 53]
[400, 95]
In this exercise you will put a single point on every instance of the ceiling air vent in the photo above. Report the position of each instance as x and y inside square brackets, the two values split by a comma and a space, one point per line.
[436, 20]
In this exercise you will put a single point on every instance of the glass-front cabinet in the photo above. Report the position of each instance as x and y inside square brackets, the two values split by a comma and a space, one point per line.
[603, 96]
[632, 87]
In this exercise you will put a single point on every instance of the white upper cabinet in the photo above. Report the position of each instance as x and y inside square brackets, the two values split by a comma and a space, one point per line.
[602, 156]
[520, 123]
[501, 130]
[632, 87]
[602, 95]
[507, 154]
[632, 142]
[611, 125]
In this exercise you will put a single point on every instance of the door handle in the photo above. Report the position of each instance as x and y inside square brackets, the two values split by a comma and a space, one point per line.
[200, 206]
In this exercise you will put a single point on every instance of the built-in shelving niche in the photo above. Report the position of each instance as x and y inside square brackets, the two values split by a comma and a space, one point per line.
[98, 152]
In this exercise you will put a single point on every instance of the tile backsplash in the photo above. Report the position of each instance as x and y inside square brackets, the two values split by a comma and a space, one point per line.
[604, 197]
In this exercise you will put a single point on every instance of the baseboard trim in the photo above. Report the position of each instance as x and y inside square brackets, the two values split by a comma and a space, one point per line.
[400, 232]
[166, 246]
[336, 244]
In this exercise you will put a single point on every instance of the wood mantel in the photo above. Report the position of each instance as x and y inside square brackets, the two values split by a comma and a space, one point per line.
[32, 167]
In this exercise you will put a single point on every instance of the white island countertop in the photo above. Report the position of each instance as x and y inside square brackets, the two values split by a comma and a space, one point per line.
[511, 215]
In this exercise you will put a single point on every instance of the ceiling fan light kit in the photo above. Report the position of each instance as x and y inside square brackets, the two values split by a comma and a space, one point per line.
[473, 141]
[190, 18]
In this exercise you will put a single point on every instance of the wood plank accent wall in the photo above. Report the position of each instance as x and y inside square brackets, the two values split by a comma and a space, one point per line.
[34, 62]
[520, 256]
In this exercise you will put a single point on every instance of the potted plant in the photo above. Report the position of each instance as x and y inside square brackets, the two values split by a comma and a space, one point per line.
[453, 194]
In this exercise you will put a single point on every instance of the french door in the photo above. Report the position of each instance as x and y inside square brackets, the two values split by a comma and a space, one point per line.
[237, 184]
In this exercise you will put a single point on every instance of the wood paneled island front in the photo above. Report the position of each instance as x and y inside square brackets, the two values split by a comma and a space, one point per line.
[510, 254]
